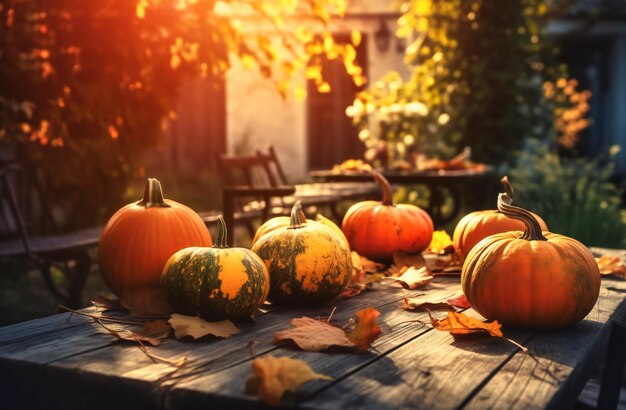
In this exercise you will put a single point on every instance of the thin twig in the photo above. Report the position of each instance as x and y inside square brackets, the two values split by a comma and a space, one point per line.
[252, 349]
[331, 315]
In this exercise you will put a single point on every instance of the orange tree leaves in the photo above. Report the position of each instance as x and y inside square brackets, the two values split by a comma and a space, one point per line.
[315, 335]
[272, 376]
[460, 324]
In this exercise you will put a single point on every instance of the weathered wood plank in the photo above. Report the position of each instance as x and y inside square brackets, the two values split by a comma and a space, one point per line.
[21, 331]
[398, 326]
[563, 361]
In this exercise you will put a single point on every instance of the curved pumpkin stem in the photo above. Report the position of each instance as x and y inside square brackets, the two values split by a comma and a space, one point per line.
[222, 234]
[508, 188]
[298, 219]
[153, 195]
[385, 186]
[533, 230]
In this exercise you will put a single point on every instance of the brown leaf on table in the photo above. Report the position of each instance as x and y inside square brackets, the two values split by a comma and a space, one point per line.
[146, 301]
[459, 301]
[365, 264]
[460, 324]
[153, 332]
[366, 330]
[414, 278]
[352, 290]
[313, 335]
[401, 259]
[197, 327]
[272, 376]
[104, 304]
[611, 265]
[438, 263]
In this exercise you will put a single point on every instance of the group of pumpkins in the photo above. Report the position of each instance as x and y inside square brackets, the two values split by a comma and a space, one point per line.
[514, 270]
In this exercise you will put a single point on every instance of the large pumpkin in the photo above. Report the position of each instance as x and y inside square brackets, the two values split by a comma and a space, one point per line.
[530, 279]
[216, 283]
[377, 230]
[138, 240]
[475, 226]
[308, 262]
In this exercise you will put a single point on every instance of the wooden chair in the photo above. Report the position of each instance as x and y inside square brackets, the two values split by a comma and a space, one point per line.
[257, 183]
[67, 252]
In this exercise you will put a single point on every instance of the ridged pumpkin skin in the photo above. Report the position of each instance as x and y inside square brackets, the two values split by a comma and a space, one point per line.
[476, 226]
[531, 279]
[216, 283]
[308, 262]
[284, 221]
[377, 230]
[138, 240]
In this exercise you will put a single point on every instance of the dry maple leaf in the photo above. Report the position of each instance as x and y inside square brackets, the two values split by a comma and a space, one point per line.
[313, 335]
[197, 327]
[423, 303]
[611, 265]
[369, 265]
[460, 324]
[366, 330]
[272, 376]
[153, 332]
[414, 278]
[352, 290]
[401, 259]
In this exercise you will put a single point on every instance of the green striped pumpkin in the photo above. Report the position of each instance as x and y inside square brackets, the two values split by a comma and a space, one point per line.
[308, 262]
[215, 283]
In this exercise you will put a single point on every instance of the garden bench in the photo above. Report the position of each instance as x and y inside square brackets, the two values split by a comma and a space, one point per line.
[67, 363]
[256, 186]
[67, 252]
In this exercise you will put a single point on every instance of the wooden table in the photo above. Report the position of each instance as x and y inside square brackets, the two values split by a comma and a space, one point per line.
[440, 184]
[56, 363]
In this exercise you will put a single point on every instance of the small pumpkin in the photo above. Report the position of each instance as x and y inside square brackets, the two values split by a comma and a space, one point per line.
[377, 230]
[138, 240]
[308, 262]
[284, 221]
[530, 279]
[475, 226]
[215, 283]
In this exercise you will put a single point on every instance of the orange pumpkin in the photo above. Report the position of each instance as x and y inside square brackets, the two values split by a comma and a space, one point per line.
[530, 279]
[138, 240]
[475, 226]
[377, 230]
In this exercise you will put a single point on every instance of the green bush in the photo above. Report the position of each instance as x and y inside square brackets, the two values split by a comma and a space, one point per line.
[575, 196]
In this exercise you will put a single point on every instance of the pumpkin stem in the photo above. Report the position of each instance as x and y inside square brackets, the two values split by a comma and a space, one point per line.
[222, 234]
[385, 186]
[298, 219]
[508, 188]
[153, 195]
[532, 232]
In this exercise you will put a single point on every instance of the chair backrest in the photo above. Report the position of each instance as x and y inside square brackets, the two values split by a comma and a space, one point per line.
[12, 223]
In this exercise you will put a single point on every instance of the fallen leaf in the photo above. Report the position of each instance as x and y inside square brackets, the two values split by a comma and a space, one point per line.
[369, 265]
[459, 301]
[103, 304]
[423, 303]
[611, 265]
[313, 335]
[352, 290]
[272, 376]
[395, 270]
[366, 330]
[440, 243]
[401, 259]
[460, 324]
[146, 301]
[414, 278]
[153, 332]
[197, 327]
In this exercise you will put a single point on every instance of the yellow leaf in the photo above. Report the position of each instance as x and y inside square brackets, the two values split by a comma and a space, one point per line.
[272, 376]
[441, 240]
[461, 324]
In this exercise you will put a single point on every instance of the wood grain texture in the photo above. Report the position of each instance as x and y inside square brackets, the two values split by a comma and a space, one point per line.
[57, 364]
